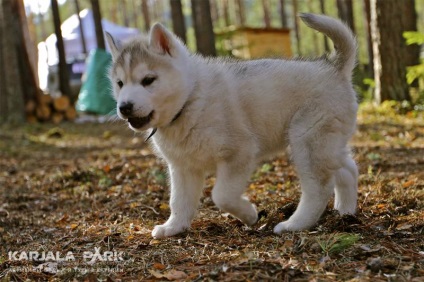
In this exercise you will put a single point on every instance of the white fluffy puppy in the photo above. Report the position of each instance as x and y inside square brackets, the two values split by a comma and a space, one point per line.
[219, 116]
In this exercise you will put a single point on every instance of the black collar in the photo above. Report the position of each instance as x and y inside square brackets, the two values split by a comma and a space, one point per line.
[173, 120]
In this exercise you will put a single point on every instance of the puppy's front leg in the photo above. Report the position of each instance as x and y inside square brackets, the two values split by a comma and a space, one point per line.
[230, 184]
[186, 189]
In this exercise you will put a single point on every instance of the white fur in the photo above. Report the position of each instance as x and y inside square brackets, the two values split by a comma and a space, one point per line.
[235, 114]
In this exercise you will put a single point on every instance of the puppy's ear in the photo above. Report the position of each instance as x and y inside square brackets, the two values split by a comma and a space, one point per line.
[162, 41]
[113, 45]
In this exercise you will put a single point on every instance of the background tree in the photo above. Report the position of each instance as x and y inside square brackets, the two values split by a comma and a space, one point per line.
[63, 68]
[345, 12]
[81, 28]
[267, 15]
[17, 79]
[241, 13]
[202, 21]
[178, 21]
[283, 14]
[146, 14]
[97, 17]
[367, 24]
[389, 50]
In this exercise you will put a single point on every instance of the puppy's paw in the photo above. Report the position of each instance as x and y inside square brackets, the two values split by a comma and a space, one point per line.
[167, 230]
[288, 226]
[251, 217]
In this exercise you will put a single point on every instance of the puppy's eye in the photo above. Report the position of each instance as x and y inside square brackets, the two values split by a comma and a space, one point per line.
[148, 80]
[120, 83]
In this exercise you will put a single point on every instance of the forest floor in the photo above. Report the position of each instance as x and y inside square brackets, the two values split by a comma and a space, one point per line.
[79, 202]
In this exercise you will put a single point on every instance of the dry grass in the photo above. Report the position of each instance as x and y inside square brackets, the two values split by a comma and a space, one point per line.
[90, 186]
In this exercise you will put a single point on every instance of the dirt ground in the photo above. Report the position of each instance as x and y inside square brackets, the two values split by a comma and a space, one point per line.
[79, 202]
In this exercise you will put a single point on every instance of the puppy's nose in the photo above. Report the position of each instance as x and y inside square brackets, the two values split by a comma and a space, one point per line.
[126, 109]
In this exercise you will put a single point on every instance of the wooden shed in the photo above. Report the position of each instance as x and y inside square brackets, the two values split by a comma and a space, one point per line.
[251, 43]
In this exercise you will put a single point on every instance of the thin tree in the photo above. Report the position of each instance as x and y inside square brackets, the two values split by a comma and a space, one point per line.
[322, 8]
[202, 19]
[241, 14]
[296, 27]
[267, 14]
[95, 6]
[367, 24]
[81, 28]
[63, 69]
[389, 50]
[146, 14]
[178, 22]
[123, 8]
[226, 12]
[345, 12]
[283, 14]
[135, 13]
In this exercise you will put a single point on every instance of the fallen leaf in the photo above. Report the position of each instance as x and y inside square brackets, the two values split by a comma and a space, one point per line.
[175, 275]
[164, 206]
[106, 168]
[408, 184]
[156, 273]
[159, 266]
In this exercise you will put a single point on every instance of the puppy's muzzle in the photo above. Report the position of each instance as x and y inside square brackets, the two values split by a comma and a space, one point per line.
[127, 112]
[126, 109]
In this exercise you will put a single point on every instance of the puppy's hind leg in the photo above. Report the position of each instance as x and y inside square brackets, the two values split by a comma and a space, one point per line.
[186, 190]
[227, 193]
[346, 190]
[314, 158]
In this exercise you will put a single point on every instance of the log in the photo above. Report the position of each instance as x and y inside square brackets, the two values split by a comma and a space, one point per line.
[57, 117]
[70, 113]
[43, 112]
[61, 103]
[30, 107]
[44, 99]
[31, 118]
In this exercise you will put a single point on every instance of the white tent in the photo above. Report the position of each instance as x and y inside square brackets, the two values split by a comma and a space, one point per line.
[72, 36]
[47, 51]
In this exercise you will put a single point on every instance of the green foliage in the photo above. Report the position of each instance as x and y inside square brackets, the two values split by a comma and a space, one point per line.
[413, 37]
[414, 72]
[337, 242]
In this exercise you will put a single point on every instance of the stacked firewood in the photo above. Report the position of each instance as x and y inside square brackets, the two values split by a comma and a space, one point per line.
[50, 108]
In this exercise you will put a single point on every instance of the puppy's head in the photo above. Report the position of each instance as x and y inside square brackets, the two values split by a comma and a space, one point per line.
[149, 78]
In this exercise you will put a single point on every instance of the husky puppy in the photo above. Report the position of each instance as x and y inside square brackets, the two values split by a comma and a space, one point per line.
[210, 115]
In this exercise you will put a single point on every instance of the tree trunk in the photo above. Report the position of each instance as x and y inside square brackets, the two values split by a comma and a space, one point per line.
[389, 50]
[17, 79]
[241, 14]
[63, 68]
[95, 6]
[283, 14]
[322, 7]
[296, 27]
[345, 11]
[135, 13]
[205, 38]
[178, 22]
[146, 14]
[123, 8]
[367, 24]
[267, 15]
[81, 28]
[3, 94]
[226, 12]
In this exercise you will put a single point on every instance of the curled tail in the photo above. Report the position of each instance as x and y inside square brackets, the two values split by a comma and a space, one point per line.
[344, 57]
